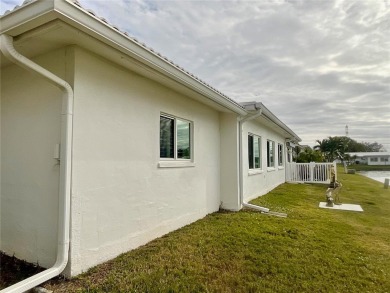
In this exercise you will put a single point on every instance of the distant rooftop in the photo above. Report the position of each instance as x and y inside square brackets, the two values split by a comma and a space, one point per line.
[370, 154]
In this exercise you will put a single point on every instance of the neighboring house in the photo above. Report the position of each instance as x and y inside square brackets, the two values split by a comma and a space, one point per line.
[105, 139]
[371, 158]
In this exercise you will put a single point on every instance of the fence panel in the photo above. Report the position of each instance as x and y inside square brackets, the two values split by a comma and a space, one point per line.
[310, 172]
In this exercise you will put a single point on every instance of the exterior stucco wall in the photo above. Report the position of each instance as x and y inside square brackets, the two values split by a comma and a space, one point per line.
[257, 183]
[30, 129]
[121, 199]
[229, 162]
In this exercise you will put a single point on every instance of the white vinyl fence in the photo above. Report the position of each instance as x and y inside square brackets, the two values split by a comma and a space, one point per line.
[310, 172]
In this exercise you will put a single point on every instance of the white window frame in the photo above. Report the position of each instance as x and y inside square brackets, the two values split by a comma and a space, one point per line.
[175, 161]
[270, 167]
[260, 168]
[280, 155]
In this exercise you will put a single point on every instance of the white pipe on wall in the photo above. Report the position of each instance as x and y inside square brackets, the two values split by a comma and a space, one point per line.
[241, 154]
[255, 207]
[242, 120]
[7, 48]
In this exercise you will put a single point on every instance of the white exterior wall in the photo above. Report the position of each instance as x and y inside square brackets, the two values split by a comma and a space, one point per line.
[121, 199]
[257, 183]
[382, 161]
[30, 129]
[230, 199]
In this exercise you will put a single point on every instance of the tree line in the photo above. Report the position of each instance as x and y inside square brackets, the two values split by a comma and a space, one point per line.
[334, 147]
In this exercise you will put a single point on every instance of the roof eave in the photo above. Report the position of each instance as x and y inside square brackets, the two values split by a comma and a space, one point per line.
[251, 106]
[38, 13]
[27, 17]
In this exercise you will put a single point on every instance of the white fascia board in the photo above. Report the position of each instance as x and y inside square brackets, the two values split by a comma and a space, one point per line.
[40, 12]
[267, 113]
[27, 17]
[283, 126]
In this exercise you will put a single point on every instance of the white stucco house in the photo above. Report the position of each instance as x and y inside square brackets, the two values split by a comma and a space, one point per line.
[371, 158]
[106, 144]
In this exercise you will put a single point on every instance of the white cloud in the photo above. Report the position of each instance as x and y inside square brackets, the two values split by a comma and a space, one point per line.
[318, 65]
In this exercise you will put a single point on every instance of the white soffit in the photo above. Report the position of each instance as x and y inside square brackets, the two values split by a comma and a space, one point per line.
[44, 15]
[269, 119]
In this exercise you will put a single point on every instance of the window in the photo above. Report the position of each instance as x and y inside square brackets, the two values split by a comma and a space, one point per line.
[254, 151]
[270, 153]
[175, 138]
[280, 154]
[384, 160]
[374, 159]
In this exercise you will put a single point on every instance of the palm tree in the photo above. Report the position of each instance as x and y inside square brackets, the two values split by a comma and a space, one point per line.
[332, 147]
[323, 146]
[309, 155]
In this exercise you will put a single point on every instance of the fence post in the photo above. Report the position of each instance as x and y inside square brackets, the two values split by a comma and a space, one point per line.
[287, 171]
[311, 170]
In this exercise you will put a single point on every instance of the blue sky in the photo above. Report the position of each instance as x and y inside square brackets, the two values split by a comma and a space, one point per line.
[317, 64]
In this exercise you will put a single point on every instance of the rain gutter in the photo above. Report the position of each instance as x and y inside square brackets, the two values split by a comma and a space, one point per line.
[7, 48]
[38, 13]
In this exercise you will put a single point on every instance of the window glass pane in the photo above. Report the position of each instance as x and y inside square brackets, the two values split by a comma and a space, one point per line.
[270, 153]
[256, 148]
[268, 162]
[166, 137]
[250, 151]
[280, 154]
[183, 139]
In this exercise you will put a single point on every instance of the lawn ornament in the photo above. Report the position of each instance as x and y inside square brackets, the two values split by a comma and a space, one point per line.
[332, 193]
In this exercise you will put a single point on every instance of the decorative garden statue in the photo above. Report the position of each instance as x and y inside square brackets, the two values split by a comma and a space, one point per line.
[332, 193]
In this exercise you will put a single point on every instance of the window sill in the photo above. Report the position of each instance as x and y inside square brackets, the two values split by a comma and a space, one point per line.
[281, 167]
[270, 169]
[176, 164]
[254, 172]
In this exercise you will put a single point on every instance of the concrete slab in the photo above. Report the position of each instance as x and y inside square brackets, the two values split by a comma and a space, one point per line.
[344, 206]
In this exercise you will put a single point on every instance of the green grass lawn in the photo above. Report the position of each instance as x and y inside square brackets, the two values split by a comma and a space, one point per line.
[312, 250]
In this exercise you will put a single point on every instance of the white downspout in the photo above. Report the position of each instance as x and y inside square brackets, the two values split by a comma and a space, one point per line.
[241, 121]
[7, 48]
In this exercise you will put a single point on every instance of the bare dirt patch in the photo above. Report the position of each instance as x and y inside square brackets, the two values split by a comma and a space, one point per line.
[13, 270]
